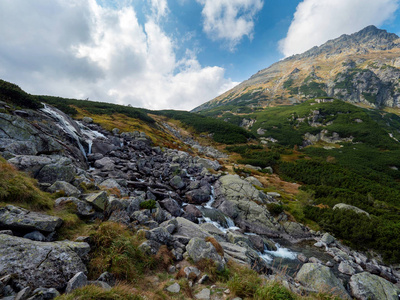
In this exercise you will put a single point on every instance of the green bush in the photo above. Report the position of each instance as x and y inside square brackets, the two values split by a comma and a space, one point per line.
[148, 204]
[275, 208]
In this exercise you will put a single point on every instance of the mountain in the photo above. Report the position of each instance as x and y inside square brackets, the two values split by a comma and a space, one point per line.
[361, 68]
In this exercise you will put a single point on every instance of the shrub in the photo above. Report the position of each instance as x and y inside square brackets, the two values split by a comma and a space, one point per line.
[148, 204]
[275, 208]
[274, 291]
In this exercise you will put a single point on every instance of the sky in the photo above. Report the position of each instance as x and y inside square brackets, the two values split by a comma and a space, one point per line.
[166, 54]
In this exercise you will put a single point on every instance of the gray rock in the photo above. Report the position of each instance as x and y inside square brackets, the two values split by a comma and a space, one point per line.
[83, 209]
[150, 247]
[44, 294]
[39, 264]
[350, 207]
[366, 286]
[203, 294]
[327, 239]
[105, 164]
[76, 282]
[105, 286]
[238, 199]
[35, 236]
[198, 249]
[191, 273]
[62, 170]
[171, 206]
[17, 218]
[189, 229]
[113, 184]
[160, 235]
[61, 186]
[87, 120]
[296, 230]
[8, 232]
[174, 288]
[98, 200]
[321, 279]
[177, 183]
[254, 181]
[107, 278]
[23, 294]
[199, 196]
[209, 164]
[301, 257]
[346, 268]
[120, 217]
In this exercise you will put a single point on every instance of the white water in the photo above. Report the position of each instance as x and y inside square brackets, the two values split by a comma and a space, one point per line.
[269, 255]
[212, 199]
[90, 135]
[219, 226]
[65, 125]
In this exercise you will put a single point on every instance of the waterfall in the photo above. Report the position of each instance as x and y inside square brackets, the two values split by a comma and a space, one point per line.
[65, 124]
[212, 199]
[90, 135]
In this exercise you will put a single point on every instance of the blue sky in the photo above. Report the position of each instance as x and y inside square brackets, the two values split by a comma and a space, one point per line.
[163, 54]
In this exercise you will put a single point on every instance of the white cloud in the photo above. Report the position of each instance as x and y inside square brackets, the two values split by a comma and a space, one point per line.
[230, 20]
[80, 49]
[316, 21]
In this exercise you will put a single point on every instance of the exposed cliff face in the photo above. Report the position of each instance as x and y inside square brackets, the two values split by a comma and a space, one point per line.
[363, 67]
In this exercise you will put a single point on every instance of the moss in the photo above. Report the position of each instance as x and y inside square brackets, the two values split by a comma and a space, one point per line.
[90, 292]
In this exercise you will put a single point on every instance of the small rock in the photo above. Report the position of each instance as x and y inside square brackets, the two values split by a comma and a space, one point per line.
[35, 236]
[171, 269]
[23, 294]
[329, 264]
[301, 257]
[203, 279]
[319, 245]
[79, 280]
[204, 294]
[175, 288]
[107, 278]
[314, 260]
[346, 268]
[227, 291]
[327, 238]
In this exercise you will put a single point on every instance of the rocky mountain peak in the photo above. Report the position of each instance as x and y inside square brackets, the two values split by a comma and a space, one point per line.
[369, 38]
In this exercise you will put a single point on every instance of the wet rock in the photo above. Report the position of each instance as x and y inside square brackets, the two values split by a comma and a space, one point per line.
[17, 218]
[366, 286]
[39, 264]
[61, 186]
[199, 249]
[192, 213]
[320, 278]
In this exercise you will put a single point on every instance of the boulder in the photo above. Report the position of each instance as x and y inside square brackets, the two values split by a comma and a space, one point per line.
[321, 279]
[177, 183]
[174, 288]
[83, 209]
[239, 200]
[13, 217]
[39, 264]
[98, 200]
[62, 170]
[172, 207]
[30, 163]
[327, 239]
[296, 230]
[350, 207]
[160, 235]
[199, 196]
[366, 286]
[346, 268]
[35, 236]
[189, 229]
[209, 164]
[105, 164]
[61, 186]
[199, 249]
[254, 181]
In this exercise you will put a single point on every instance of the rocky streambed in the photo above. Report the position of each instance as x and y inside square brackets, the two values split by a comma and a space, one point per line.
[193, 200]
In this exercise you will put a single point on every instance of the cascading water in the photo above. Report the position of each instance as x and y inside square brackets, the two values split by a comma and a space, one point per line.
[90, 135]
[212, 199]
[65, 124]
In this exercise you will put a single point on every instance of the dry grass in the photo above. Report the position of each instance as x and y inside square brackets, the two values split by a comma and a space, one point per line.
[216, 245]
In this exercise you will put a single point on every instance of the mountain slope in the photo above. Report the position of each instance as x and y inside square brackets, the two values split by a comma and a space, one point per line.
[362, 68]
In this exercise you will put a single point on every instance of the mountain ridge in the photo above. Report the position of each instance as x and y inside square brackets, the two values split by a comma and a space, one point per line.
[360, 68]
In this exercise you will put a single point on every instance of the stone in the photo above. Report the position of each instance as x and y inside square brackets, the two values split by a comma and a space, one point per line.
[61, 186]
[321, 279]
[192, 213]
[189, 229]
[301, 257]
[274, 194]
[44, 294]
[198, 249]
[177, 183]
[346, 268]
[114, 185]
[40, 264]
[203, 279]
[23, 294]
[8, 232]
[254, 181]
[13, 217]
[174, 288]
[191, 273]
[296, 230]
[35, 236]
[199, 196]
[351, 207]
[62, 170]
[120, 217]
[83, 209]
[150, 247]
[366, 286]
[76, 282]
[327, 239]
[98, 200]
[203, 294]
[172, 207]
[209, 164]
[160, 235]
[105, 164]
[238, 199]
[87, 120]
[107, 278]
